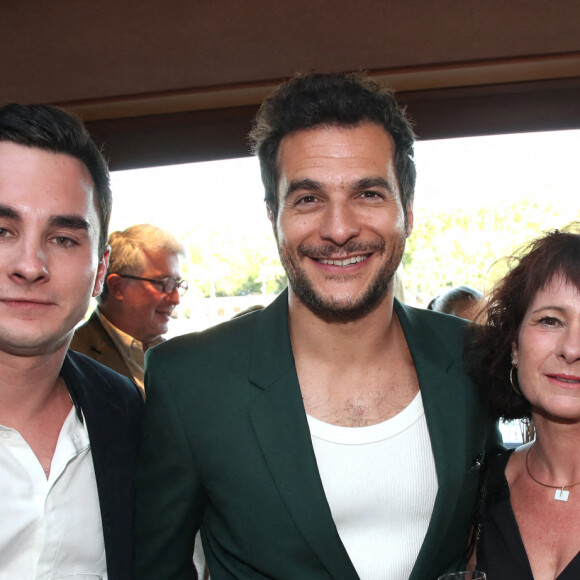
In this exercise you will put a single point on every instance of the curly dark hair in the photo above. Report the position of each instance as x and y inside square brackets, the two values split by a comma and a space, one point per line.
[55, 130]
[488, 350]
[336, 99]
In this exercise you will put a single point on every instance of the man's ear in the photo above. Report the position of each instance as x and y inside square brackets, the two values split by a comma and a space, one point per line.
[101, 272]
[272, 219]
[271, 216]
[116, 285]
[410, 218]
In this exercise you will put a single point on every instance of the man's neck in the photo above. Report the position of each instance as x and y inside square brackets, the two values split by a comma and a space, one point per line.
[354, 373]
[118, 323]
[28, 384]
[34, 400]
[330, 339]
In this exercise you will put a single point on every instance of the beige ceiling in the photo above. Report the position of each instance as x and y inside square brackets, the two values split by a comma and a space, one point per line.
[176, 80]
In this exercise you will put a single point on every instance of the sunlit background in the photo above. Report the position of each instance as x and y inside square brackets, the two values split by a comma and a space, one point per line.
[477, 199]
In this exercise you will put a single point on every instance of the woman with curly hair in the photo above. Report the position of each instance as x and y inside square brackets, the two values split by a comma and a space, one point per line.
[526, 362]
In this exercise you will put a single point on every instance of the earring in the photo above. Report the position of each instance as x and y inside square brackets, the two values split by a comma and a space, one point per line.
[517, 391]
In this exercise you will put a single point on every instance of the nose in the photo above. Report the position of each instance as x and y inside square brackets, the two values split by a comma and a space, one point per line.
[570, 344]
[173, 297]
[30, 263]
[339, 223]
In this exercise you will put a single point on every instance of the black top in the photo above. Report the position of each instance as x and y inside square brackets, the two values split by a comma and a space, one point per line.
[500, 551]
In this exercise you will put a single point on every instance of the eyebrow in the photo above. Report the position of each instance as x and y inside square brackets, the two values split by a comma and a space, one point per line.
[302, 185]
[71, 222]
[7, 212]
[370, 182]
[360, 184]
[549, 307]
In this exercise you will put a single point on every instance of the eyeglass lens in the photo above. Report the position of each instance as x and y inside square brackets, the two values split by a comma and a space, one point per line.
[170, 284]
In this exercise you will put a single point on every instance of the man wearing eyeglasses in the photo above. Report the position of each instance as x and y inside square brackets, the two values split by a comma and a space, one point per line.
[142, 289]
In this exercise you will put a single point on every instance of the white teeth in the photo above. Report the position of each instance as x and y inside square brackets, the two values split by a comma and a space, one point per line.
[346, 262]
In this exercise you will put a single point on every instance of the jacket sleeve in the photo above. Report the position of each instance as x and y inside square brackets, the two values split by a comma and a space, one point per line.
[169, 497]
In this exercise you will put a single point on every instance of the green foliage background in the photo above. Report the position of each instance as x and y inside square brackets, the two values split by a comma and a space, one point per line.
[224, 264]
[468, 247]
[445, 250]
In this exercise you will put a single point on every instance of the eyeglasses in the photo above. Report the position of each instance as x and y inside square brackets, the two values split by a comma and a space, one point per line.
[168, 285]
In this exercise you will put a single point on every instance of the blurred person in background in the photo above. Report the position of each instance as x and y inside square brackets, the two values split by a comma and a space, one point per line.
[142, 288]
[462, 301]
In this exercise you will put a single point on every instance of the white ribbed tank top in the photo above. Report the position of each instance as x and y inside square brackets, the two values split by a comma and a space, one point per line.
[380, 483]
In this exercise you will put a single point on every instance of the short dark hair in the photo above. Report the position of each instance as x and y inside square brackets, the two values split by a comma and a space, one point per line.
[447, 301]
[318, 100]
[488, 352]
[55, 130]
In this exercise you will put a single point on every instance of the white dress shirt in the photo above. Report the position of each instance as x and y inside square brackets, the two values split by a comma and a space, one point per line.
[49, 527]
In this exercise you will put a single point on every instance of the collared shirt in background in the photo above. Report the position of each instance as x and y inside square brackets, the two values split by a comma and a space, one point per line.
[130, 348]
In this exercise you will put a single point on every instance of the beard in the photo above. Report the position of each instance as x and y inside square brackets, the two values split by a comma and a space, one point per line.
[349, 308]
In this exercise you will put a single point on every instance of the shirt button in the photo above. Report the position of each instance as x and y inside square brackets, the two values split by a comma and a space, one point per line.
[5, 434]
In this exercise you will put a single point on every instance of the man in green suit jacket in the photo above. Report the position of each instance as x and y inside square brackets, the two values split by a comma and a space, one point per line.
[333, 434]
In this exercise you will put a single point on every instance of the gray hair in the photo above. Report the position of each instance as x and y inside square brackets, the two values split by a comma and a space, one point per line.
[128, 247]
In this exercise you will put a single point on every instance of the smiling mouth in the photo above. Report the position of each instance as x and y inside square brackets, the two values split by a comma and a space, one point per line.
[572, 380]
[345, 262]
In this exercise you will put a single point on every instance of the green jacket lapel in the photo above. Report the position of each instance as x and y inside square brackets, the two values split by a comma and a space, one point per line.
[447, 413]
[281, 427]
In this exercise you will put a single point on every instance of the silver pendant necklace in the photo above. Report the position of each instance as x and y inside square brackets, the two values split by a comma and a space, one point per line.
[561, 493]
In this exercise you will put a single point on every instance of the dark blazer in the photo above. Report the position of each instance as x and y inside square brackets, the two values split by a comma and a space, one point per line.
[93, 340]
[113, 409]
[227, 447]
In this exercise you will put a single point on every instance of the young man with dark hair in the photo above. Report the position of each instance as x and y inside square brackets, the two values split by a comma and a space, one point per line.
[69, 427]
[319, 100]
[333, 434]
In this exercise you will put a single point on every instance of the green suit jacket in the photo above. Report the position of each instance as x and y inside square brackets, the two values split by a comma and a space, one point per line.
[227, 448]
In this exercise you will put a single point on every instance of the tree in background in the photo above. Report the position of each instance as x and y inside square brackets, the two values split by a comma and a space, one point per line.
[466, 247]
[225, 265]
[445, 250]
